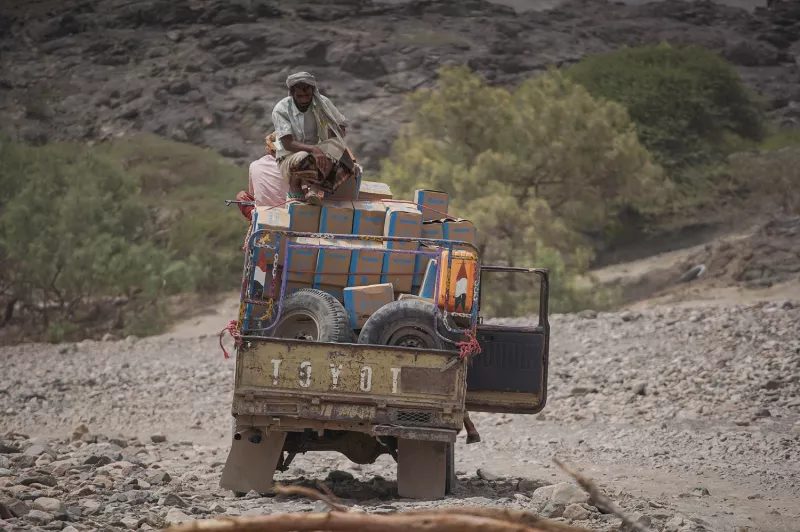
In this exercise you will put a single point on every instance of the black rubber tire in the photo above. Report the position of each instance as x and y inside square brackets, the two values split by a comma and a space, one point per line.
[332, 321]
[409, 323]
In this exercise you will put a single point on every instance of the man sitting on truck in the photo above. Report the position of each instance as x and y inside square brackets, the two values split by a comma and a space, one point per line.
[267, 186]
[309, 140]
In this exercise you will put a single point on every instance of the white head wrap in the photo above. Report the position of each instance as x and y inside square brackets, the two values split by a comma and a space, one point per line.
[301, 77]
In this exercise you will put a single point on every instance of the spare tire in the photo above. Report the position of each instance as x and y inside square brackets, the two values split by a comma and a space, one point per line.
[313, 315]
[407, 323]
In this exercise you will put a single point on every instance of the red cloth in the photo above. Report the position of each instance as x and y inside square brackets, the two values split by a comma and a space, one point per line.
[247, 210]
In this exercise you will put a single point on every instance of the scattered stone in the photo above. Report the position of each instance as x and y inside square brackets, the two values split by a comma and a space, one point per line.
[566, 493]
[174, 500]
[44, 480]
[51, 506]
[487, 475]
[528, 485]
[576, 512]
[551, 509]
[11, 507]
[39, 517]
[158, 438]
[176, 517]
[339, 476]
[162, 477]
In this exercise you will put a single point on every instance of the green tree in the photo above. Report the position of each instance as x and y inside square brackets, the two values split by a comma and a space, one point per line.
[689, 105]
[533, 168]
[74, 232]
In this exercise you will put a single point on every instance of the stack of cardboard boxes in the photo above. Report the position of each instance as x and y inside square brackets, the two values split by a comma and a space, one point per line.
[366, 278]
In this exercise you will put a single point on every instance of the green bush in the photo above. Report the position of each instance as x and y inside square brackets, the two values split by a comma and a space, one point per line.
[689, 104]
[532, 169]
[134, 221]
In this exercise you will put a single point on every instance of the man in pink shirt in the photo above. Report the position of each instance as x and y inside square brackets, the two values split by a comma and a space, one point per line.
[267, 186]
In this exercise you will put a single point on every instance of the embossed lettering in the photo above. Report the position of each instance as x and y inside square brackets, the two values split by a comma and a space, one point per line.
[335, 374]
[276, 364]
[366, 379]
[305, 374]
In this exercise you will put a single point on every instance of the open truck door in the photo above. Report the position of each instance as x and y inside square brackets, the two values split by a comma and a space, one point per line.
[510, 373]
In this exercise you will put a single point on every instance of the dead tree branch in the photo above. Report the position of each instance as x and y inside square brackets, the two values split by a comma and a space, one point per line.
[600, 499]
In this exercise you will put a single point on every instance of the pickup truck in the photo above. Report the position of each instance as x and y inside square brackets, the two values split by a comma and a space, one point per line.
[305, 383]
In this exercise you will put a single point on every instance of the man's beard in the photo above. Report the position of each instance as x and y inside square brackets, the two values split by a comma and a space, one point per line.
[303, 107]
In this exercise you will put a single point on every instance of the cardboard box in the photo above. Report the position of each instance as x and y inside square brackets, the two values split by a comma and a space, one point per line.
[398, 268]
[336, 217]
[362, 301]
[429, 281]
[366, 265]
[348, 190]
[266, 218]
[294, 286]
[430, 229]
[302, 262]
[413, 296]
[368, 217]
[402, 219]
[333, 265]
[335, 291]
[372, 190]
[303, 217]
[433, 203]
[460, 229]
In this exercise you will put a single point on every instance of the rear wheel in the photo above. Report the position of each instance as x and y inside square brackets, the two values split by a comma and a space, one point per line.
[313, 315]
[406, 323]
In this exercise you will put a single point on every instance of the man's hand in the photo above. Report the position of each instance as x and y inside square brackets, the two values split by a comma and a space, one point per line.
[323, 163]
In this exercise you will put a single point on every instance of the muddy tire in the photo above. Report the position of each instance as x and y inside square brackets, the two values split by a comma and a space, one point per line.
[313, 315]
[406, 323]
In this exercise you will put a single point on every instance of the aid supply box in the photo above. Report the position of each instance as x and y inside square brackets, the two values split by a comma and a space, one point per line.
[432, 203]
[336, 217]
[368, 217]
[362, 301]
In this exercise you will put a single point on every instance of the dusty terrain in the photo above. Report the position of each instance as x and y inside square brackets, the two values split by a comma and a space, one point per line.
[209, 72]
[688, 417]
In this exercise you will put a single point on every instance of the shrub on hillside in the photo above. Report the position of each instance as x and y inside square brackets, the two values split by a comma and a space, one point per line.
[689, 104]
[531, 168]
[82, 247]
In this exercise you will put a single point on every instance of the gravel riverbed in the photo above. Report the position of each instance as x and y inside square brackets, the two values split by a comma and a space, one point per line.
[688, 417]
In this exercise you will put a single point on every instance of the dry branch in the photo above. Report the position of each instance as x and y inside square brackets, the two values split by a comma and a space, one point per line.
[355, 522]
[601, 500]
[528, 519]
[311, 494]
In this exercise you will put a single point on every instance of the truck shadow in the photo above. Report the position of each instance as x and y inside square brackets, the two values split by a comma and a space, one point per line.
[378, 490]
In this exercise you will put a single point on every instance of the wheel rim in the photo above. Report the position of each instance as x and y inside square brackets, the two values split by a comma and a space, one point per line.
[297, 326]
[412, 337]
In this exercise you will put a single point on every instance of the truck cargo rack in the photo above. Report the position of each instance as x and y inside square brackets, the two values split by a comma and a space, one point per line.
[261, 240]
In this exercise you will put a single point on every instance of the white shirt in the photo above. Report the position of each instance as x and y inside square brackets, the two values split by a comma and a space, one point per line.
[288, 120]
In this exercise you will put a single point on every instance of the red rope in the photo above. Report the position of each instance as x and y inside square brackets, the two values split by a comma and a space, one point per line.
[469, 347]
[234, 332]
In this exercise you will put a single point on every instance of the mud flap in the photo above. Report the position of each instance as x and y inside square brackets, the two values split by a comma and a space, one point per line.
[251, 466]
[421, 469]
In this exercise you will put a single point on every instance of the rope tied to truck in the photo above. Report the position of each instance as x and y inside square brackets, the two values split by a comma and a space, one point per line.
[233, 329]
[468, 347]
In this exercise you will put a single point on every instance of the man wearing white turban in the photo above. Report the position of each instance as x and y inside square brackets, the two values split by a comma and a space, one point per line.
[309, 141]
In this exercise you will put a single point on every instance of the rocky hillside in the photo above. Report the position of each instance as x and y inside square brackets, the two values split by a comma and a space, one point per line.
[208, 72]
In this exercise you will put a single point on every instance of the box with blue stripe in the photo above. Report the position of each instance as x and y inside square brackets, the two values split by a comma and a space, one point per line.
[433, 203]
[333, 265]
[336, 217]
[366, 264]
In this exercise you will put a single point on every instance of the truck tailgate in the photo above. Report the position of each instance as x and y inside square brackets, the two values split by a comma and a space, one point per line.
[348, 382]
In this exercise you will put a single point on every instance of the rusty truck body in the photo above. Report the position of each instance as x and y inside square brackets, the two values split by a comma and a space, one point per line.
[295, 394]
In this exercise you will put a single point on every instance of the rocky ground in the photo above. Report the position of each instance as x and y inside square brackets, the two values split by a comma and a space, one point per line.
[209, 72]
[688, 417]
